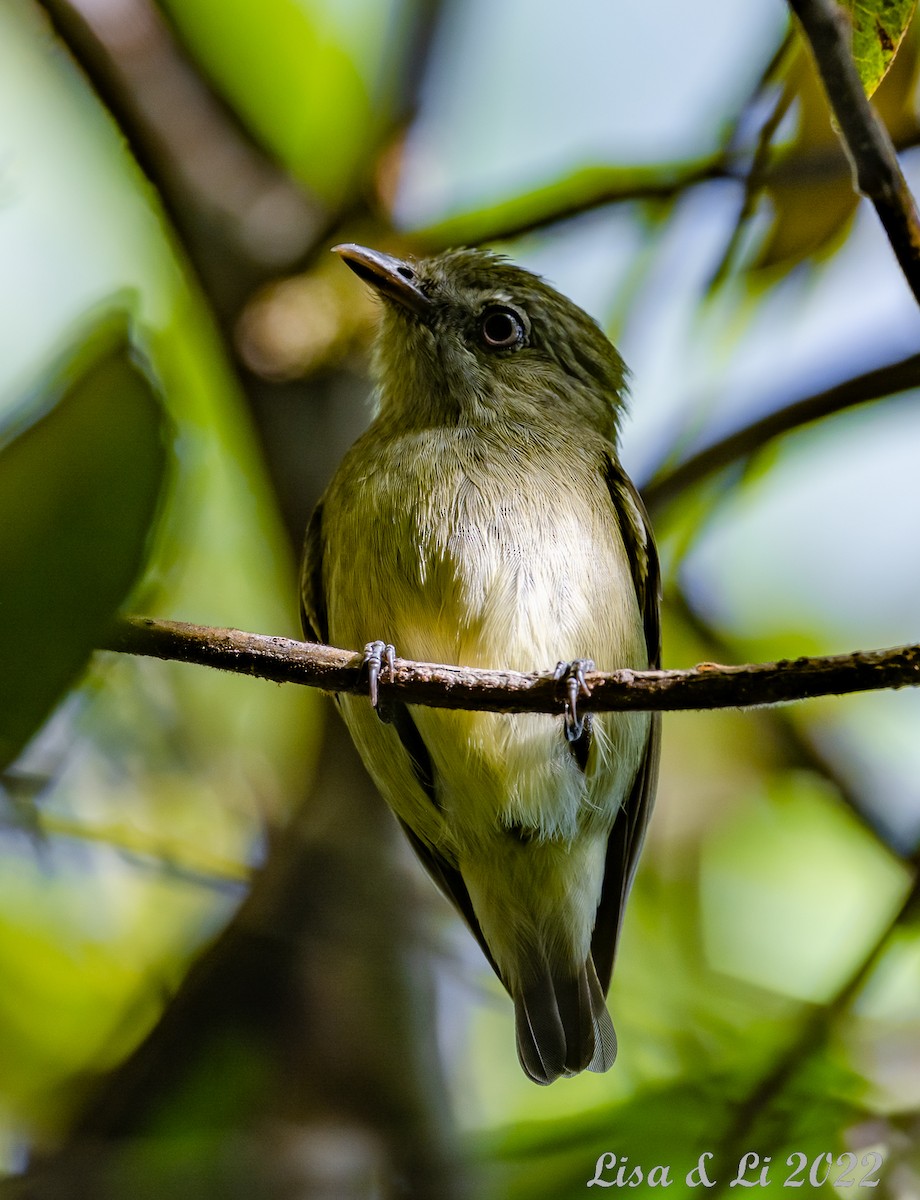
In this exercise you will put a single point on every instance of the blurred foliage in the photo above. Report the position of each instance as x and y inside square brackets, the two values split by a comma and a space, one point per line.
[70, 555]
[560, 1159]
[218, 970]
[314, 81]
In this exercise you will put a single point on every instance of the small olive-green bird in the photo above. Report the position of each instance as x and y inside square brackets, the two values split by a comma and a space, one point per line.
[484, 520]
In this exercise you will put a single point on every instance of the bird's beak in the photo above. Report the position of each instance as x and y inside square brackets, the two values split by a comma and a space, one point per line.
[390, 277]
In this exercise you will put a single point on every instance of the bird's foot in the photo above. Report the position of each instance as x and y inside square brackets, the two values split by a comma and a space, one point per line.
[379, 657]
[573, 674]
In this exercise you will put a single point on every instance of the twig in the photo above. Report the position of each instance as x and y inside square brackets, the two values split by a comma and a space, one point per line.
[240, 214]
[873, 385]
[582, 192]
[875, 166]
[591, 188]
[756, 177]
[706, 686]
[810, 1040]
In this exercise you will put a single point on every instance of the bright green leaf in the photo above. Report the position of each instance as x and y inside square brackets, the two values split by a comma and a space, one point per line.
[79, 489]
[309, 77]
[878, 27]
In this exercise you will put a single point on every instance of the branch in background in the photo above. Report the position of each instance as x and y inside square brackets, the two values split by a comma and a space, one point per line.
[883, 381]
[591, 188]
[875, 166]
[581, 192]
[756, 177]
[707, 686]
[239, 214]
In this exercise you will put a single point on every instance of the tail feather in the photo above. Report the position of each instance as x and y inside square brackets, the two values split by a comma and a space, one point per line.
[540, 1035]
[605, 1038]
[563, 1026]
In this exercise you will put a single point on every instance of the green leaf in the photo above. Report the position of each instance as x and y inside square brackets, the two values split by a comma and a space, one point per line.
[878, 28]
[311, 78]
[79, 488]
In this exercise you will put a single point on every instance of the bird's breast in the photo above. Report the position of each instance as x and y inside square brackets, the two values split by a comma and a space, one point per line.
[483, 554]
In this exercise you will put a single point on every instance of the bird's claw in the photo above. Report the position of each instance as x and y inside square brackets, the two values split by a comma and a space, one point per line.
[575, 685]
[378, 657]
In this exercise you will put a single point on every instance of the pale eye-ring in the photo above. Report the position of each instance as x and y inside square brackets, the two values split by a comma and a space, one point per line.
[501, 328]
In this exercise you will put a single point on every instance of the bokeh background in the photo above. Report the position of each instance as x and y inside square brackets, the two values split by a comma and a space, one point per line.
[221, 973]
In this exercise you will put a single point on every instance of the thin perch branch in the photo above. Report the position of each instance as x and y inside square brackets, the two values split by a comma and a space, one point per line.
[875, 165]
[707, 686]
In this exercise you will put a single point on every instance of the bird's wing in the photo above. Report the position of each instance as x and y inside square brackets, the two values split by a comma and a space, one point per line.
[636, 531]
[629, 828]
[313, 615]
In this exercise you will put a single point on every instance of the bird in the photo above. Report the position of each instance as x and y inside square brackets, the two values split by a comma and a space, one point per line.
[484, 520]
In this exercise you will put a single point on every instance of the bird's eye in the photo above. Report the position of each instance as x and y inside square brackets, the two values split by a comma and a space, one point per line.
[501, 328]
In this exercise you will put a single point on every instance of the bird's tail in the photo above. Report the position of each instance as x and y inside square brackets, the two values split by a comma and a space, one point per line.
[563, 1025]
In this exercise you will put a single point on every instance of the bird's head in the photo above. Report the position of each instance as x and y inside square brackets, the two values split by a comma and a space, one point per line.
[469, 338]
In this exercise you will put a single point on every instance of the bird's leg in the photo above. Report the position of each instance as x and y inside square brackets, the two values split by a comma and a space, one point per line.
[575, 685]
[379, 657]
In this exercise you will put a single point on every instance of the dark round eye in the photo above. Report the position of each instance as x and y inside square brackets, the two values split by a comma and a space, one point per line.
[501, 328]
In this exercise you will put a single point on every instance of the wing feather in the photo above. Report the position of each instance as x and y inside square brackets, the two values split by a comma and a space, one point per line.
[313, 614]
[629, 828]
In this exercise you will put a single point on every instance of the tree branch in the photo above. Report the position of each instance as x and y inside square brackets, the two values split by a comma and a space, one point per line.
[707, 686]
[581, 192]
[873, 385]
[590, 188]
[240, 215]
[875, 165]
